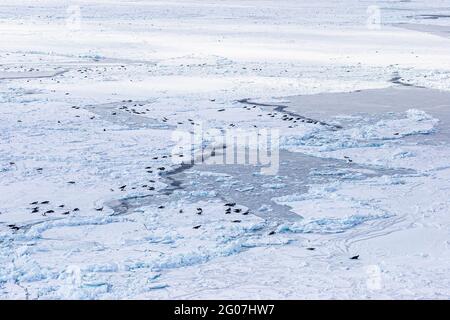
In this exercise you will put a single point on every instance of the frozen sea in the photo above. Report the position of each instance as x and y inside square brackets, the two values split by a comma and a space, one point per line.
[94, 205]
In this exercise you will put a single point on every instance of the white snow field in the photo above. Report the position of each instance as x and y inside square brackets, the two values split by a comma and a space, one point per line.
[93, 205]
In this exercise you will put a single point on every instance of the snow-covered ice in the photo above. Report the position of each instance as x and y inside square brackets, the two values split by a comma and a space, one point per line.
[94, 204]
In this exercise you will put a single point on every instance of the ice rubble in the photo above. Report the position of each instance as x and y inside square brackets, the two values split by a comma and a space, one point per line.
[367, 132]
[374, 141]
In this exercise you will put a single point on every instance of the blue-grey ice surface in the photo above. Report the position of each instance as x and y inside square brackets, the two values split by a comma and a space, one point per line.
[93, 206]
